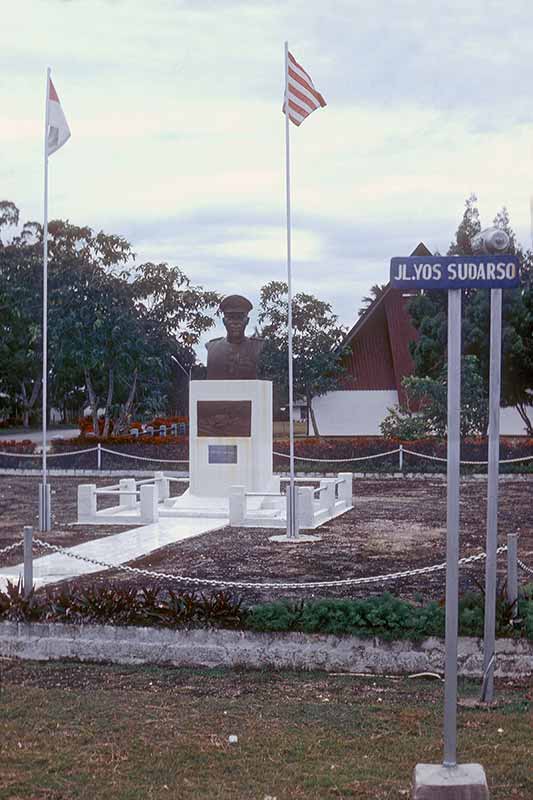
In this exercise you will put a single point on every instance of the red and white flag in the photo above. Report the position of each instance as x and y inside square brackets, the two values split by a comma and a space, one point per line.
[302, 97]
[58, 130]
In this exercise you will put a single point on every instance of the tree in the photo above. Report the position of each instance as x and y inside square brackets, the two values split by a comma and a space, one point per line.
[430, 395]
[317, 362]
[112, 326]
[429, 315]
[376, 291]
[20, 310]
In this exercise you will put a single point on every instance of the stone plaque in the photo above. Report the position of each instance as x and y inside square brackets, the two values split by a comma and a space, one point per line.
[222, 454]
[224, 417]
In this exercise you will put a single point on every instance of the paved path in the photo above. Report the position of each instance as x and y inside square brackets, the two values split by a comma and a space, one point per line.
[116, 549]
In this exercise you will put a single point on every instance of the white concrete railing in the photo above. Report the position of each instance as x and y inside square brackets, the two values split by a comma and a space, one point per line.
[311, 503]
[138, 500]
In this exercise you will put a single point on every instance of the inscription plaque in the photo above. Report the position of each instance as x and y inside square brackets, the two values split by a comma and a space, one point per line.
[222, 454]
[224, 417]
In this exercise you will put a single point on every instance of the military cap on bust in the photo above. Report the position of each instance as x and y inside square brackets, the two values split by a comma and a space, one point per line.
[235, 302]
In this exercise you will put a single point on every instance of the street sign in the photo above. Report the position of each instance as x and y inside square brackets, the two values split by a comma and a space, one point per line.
[499, 271]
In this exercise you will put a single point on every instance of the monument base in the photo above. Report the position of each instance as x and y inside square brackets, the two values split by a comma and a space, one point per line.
[463, 782]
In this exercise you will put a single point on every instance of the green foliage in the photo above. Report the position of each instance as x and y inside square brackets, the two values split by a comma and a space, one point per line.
[404, 424]
[119, 605]
[386, 616]
[113, 325]
[429, 316]
[317, 361]
[430, 395]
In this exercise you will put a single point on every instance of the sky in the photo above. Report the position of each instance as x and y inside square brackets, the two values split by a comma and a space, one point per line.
[178, 140]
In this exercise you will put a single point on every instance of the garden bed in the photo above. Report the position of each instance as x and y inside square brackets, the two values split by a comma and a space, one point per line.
[396, 524]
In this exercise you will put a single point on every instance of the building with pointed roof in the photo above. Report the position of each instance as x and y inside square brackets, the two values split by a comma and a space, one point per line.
[378, 358]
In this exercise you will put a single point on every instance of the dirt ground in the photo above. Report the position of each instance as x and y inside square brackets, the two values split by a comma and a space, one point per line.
[396, 524]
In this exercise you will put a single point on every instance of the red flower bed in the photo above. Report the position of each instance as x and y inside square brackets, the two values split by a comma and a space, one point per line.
[24, 446]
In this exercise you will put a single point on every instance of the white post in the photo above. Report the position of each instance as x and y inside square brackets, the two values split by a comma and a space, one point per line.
[452, 538]
[237, 505]
[489, 639]
[99, 456]
[127, 485]
[306, 511]
[345, 489]
[44, 496]
[291, 494]
[401, 458]
[163, 485]
[86, 502]
[149, 509]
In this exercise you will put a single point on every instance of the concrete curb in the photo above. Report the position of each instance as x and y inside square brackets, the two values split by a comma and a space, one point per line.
[223, 648]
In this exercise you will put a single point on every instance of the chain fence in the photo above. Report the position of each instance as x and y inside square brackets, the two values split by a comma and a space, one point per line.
[305, 459]
[212, 582]
[10, 547]
[524, 567]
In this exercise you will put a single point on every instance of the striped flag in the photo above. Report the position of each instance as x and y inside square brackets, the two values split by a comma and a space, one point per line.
[58, 130]
[302, 96]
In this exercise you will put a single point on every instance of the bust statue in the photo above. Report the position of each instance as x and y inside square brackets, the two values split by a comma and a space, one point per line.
[236, 356]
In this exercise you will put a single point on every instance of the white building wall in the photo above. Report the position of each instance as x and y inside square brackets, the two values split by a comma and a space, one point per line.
[353, 412]
[360, 413]
[511, 422]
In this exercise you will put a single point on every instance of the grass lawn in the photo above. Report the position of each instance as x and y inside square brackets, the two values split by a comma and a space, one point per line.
[76, 731]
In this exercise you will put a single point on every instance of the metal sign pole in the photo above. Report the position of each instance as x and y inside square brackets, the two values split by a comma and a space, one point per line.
[452, 539]
[487, 690]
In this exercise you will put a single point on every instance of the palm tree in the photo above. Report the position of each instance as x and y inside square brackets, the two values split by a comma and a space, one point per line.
[376, 291]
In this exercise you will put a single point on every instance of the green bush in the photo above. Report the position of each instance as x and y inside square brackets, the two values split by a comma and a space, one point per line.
[386, 616]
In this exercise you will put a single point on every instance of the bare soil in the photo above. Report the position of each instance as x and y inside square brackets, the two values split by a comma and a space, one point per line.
[396, 524]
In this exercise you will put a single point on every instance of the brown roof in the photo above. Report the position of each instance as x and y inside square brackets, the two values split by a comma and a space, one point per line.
[378, 344]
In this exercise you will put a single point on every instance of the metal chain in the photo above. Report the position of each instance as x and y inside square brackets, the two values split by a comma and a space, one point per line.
[250, 585]
[524, 567]
[10, 547]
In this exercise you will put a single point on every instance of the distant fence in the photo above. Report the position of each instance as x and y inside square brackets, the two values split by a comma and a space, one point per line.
[400, 459]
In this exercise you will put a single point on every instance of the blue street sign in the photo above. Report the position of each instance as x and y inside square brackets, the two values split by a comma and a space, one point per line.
[455, 272]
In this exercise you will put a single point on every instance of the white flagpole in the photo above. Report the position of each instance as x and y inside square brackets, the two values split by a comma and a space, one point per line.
[44, 506]
[291, 527]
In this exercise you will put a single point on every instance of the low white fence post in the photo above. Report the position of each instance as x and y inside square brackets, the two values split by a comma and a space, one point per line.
[86, 502]
[400, 457]
[163, 485]
[327, 495]
[305, 507]
[149, 500]
[28, 560]
[99, 456]
[237, 505]
[345, 489]
[127, 485]
[512, 571]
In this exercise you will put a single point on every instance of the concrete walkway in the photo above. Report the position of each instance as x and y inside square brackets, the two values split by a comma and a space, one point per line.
[119, 548]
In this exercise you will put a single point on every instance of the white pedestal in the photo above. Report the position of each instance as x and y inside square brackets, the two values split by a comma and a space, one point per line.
[253, 454]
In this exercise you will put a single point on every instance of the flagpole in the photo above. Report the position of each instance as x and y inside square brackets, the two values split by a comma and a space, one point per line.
[291, 527]
[44, 504]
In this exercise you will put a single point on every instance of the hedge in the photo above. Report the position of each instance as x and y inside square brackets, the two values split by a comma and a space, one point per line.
[385, 616]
